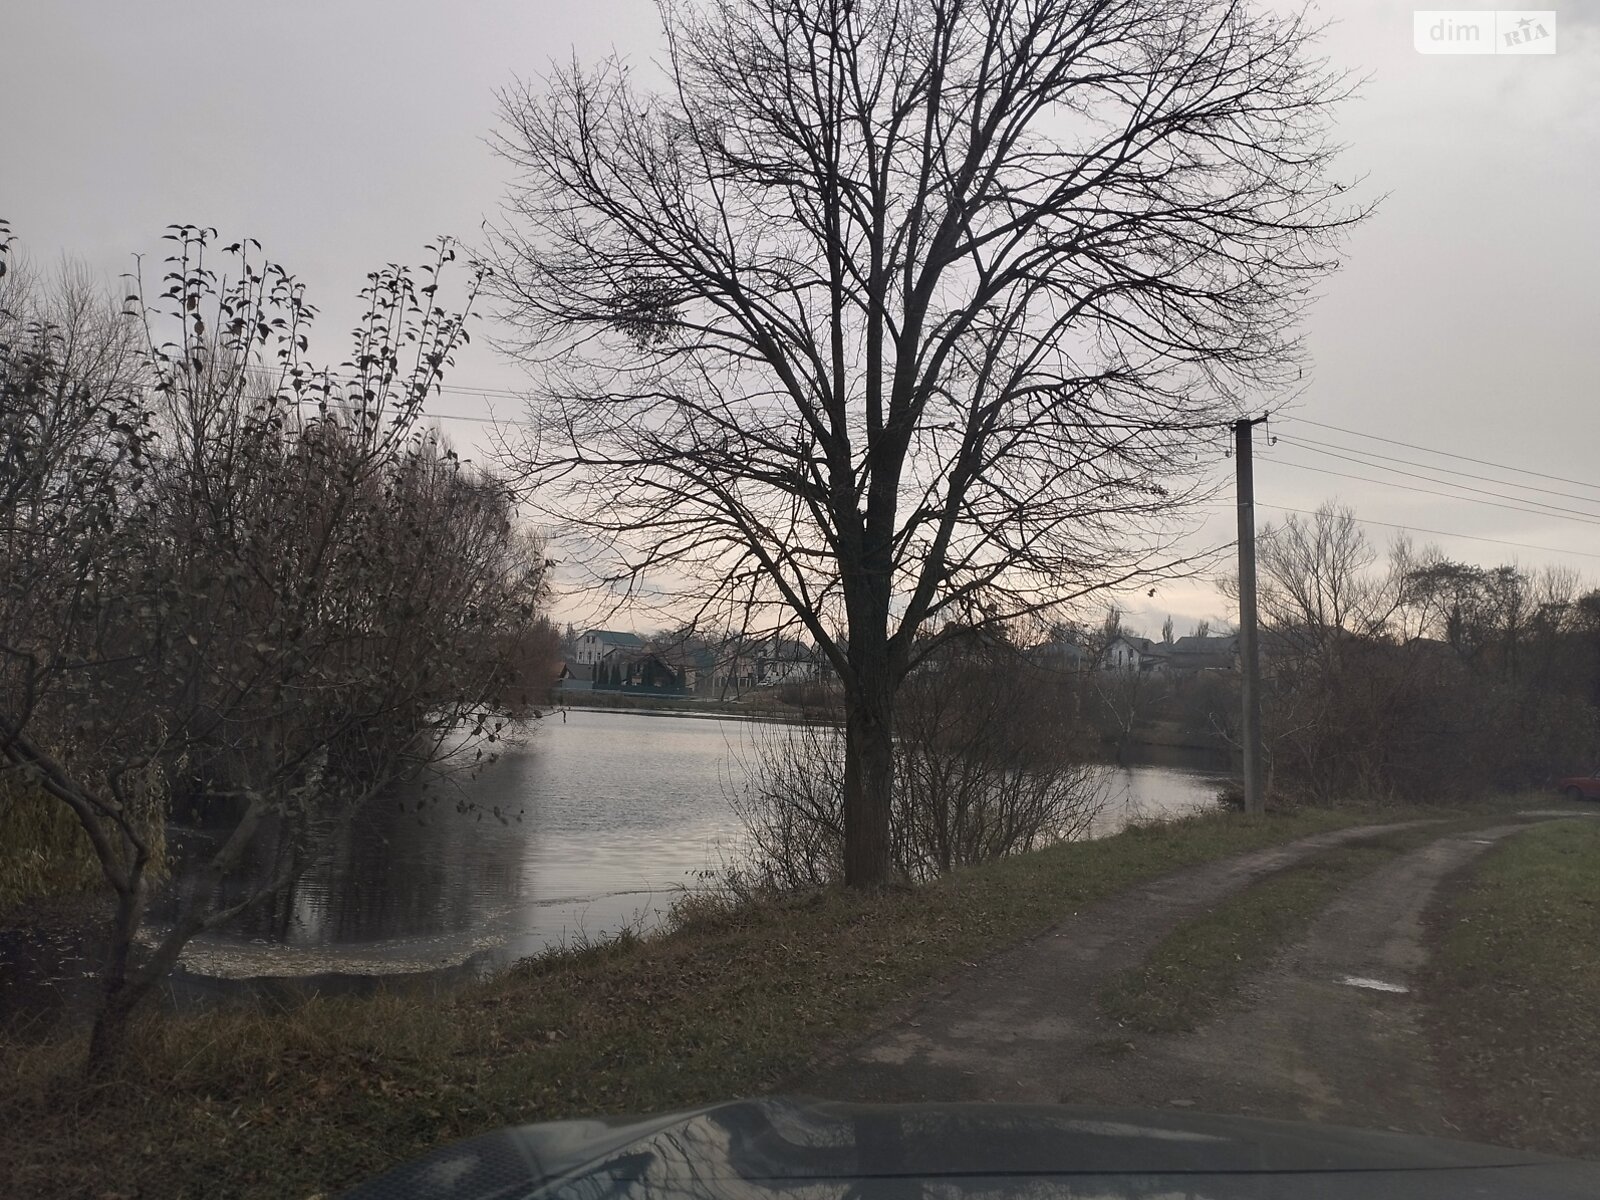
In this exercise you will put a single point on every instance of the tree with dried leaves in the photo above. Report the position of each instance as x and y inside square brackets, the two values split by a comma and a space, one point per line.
[232, 579]
[887, 317]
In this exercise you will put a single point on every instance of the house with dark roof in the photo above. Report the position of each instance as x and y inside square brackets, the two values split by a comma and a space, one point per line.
[576, 677]
[694, 664]
[1129, 652]
[1200, 653]
[595, 644]
[637, 671]
[780, 660]
[1060, 656]
[1195, 652]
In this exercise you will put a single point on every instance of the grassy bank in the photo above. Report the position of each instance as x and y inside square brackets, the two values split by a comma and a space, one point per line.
[1514, 992]
[730, 1002]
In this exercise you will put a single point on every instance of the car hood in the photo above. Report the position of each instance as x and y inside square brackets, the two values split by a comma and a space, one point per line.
[821, 1150]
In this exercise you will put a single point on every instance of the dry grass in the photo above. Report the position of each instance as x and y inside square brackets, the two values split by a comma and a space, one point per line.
[1514, 992]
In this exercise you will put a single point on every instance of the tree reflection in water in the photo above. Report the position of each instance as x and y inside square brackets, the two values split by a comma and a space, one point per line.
[618, 811]
[392, 871]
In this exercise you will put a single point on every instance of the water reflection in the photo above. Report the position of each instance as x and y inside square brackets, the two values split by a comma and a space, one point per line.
[608, 816]
[1168, 782]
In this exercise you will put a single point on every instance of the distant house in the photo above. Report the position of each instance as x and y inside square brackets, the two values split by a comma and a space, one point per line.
[959, 647]
[595, 644]
[780, 660]
[640, 670]
[725, 671]
[575, 677]
[1128, 652]
[693, 665]
[1060, 656]
[1196, 652]
[1200, 653]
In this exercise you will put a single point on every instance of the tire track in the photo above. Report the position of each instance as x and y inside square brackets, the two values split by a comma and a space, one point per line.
[1025, 1025]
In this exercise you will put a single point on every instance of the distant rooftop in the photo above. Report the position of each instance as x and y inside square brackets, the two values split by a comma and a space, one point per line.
[1196, 644]
[615, 637]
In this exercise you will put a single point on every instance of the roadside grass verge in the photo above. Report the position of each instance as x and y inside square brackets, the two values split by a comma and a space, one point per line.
[1196, 969]
[1513, 992]
[732, 1001]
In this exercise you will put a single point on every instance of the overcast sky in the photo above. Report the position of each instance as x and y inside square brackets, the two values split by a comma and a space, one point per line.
[344, 135]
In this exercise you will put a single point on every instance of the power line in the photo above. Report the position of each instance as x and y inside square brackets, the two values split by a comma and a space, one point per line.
[475, 420]
[1556, 508]
[1471, 537]
[488, 392]
[1482, 462]
[1315, 446]
[1532, 512]
[346, 406]
[481, 391]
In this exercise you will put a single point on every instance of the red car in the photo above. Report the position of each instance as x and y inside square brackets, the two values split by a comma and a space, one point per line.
[1580, 787]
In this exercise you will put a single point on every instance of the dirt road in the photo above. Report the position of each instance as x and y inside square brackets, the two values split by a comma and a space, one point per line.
[1328, 1032]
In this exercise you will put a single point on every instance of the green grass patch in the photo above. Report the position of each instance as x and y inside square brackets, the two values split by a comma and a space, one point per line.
[1196, 969]
[732, 1001]
[1513, 992]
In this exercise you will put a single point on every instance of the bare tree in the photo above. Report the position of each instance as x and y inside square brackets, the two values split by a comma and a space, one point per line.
[1317, 585]
[889, 316]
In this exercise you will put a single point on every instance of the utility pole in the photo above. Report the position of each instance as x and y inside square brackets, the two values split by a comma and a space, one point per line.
[1255, 800]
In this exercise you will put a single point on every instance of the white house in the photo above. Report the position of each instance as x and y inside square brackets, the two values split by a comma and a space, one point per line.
[781, 660]
[1196, 652]
[1128, 652]
[595, 644]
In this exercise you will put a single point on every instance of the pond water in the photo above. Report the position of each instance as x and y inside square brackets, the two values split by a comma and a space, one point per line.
[604, 818]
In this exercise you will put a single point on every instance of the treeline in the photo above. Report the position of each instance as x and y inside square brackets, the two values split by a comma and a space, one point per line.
[1419, 676]
[1405, 675]
[236, 586]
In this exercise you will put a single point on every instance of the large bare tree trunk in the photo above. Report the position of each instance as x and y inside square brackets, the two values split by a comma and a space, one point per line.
[868, 780]
[869, 701]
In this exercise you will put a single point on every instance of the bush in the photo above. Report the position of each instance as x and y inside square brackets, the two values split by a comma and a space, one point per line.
[984, 767]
